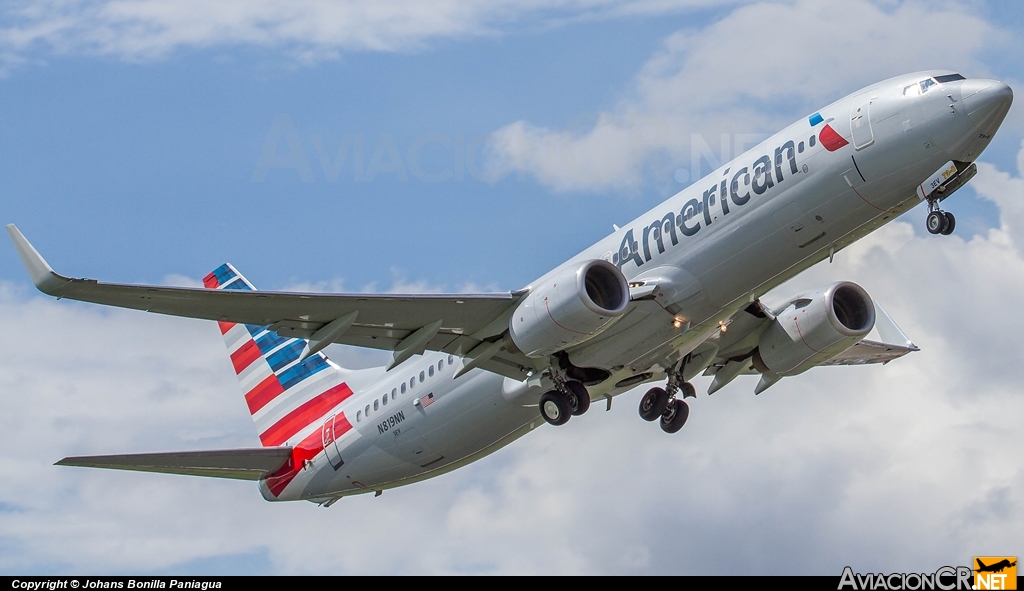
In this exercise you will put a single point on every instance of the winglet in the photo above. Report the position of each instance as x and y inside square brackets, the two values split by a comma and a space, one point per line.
[41, 273]
[889, 332]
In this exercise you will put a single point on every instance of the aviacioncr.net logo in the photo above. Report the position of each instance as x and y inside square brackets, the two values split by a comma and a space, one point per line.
[995, 572]
[946, 578]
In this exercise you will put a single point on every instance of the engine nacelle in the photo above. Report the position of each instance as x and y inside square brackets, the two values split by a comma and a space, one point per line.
[815, 327]
[569, 307]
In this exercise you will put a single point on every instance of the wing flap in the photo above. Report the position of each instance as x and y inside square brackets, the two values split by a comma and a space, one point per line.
[238, 464]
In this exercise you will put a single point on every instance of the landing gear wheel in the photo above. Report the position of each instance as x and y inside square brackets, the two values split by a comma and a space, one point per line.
[950, 224]
[579, 398]
[675, 416]
[936, 221]
[653, 404]
[555, 407]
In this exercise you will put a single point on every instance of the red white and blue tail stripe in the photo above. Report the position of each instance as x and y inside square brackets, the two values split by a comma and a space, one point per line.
[289, 400]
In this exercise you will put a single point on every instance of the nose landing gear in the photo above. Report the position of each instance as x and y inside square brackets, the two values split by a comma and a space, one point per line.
[944, 182]
[938, 221]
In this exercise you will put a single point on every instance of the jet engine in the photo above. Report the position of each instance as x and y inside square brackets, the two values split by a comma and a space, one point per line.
[813, 328]
[570, 306]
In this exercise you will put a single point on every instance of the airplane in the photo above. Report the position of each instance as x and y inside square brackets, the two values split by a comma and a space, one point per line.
[675, 293]
[994, 568]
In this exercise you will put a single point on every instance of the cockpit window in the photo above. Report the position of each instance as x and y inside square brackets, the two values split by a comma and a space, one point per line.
[924, 85]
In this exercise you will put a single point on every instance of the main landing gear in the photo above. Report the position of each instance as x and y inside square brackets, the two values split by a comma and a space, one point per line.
[568, 399]
[938, 221]
[662, 403]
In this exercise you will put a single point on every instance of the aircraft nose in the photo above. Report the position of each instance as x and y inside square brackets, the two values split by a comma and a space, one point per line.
[985, 99]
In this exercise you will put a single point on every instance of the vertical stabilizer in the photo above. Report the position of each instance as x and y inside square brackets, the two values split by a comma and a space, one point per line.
[289, 397]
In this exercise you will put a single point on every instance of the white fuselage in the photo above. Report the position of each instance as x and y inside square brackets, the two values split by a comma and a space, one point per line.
[711, 249]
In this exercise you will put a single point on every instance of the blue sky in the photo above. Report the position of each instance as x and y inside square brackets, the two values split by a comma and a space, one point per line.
[150, 163]
[133, 147]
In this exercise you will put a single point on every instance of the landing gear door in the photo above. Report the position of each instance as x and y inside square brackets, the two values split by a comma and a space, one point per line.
[860, 123]
[331, 444]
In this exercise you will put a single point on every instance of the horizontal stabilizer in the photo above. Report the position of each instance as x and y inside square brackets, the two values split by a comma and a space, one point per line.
[239, 464]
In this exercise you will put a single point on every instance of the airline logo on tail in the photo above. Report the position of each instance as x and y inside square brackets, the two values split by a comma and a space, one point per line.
[288, 399]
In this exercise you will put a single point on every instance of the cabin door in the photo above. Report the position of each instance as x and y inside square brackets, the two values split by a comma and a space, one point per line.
[331, 444]
[860, 124]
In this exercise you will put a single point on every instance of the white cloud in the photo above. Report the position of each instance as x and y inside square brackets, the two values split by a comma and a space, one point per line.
[913, 465]
[753, 71]
[307, 30]
[1005, 191]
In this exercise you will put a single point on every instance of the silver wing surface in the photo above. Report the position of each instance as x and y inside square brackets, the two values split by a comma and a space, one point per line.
[405, 324]
[238, 464]
[734, 349]
[891, 343]
[867, 352]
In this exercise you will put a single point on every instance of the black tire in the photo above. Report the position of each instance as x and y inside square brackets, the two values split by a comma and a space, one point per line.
[675, 416]
[653, 404]
[936, 222]
[555, 407]
[950, 224]
[579, 398]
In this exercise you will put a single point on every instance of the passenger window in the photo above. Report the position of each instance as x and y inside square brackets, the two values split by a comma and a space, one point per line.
[366, 411]
[451, 359]
[440, 364]
[412, 382]
[384, 399]
[394, 393]
[403, 387]
[359, 415]
[926, 84]
[800, 147]
[812, 141]
[376, 404]
[430, 372]
[422, 378]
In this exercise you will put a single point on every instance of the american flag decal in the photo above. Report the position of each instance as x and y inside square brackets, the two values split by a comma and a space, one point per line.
[427, 400]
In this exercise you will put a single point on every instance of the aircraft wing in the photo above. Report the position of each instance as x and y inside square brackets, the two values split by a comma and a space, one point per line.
[733, 350]
[892, 343]
[406, 324]
[867, 352]
[239, 464]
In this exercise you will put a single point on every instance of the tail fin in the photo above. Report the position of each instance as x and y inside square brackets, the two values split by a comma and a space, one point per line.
[289, 400]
